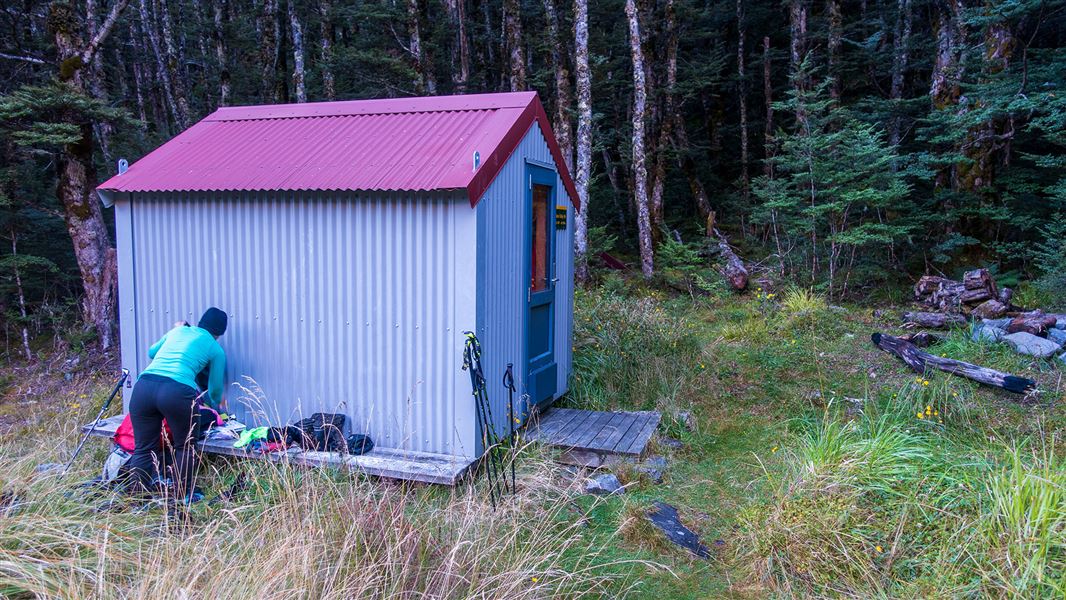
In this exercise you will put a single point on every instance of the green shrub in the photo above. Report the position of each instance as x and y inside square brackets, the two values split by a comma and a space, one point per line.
[1051, 260]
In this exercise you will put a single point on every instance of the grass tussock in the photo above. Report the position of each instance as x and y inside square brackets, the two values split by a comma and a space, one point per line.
[903, 500]
[634, 352]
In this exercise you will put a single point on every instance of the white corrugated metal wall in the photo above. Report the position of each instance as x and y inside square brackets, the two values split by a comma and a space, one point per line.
[339, 302]
[501, 293]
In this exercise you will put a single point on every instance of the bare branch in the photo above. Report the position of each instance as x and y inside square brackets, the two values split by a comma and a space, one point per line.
[29, 59]
[89, 53]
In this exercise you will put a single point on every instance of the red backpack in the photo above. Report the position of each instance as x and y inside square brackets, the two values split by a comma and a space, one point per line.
[124, 434]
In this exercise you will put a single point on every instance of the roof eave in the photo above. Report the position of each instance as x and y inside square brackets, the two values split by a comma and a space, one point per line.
[494, 163]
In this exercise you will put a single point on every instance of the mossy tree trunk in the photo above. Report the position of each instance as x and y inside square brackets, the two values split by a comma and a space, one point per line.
[77, 174]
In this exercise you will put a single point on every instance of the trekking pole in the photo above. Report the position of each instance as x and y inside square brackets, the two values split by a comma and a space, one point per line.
[472, 363]
[107, 403]
[508, 382]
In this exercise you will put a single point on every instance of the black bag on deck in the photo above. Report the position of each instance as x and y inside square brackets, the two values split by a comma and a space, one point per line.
[359, 444]
[321, 431]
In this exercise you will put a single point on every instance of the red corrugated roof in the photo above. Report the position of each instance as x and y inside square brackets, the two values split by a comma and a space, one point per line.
[409, 144]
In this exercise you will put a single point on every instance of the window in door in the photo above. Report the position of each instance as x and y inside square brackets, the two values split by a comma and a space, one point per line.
[540, 271]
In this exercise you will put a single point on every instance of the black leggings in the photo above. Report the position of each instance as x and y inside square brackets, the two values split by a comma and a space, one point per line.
[156, 398]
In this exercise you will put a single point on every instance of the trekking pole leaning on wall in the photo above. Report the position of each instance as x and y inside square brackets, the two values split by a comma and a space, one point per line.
[92, 428]
[508, 382]
[489, 439]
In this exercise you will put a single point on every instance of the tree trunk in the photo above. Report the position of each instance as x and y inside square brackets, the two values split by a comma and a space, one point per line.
[488, 59]
[461, 48]
[220, 52]
[95, 78]
[584, 135]
[688, 166]
[325, 13]
[162, 72]
[561, 126]
[900, 54]
[138, 76]
[985, 142]
[666, 122]
[297, 35]
[173, 65]
[768, 95]
[425, 83]
[270, 51]
[947, 65]
[640, 174]
[512, 19]
[21, 296]
[742, 96]
[76, 174]
[797, 12]
[832, 47]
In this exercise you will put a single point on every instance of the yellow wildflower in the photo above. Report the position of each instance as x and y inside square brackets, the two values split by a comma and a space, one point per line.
[921, 415]
[928, 409]
[879, 548]
[925, 382]
[774, 449]
[533, 579]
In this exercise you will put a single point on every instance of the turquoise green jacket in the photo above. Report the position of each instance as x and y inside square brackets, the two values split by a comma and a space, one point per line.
[183, 352]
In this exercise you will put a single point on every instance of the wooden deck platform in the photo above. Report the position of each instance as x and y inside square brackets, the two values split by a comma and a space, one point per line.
[594, 438]
[379, 462]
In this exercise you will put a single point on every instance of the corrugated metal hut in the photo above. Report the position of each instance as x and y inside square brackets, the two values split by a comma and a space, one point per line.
[352, 244]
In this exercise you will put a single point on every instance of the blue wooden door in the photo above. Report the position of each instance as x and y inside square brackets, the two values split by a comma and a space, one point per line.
[541, 368]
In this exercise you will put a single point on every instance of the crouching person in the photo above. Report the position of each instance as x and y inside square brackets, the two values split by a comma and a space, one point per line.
[167, 390]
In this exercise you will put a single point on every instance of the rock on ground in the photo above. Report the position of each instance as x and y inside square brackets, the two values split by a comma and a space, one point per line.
[997, 323]
[654, 467]
[1057, 335]
[666, 519]
[1032, 345]
[604, 484]
[670, 442]
[985, 333]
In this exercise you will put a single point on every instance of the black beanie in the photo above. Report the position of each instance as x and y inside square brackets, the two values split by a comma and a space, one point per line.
[214, 321]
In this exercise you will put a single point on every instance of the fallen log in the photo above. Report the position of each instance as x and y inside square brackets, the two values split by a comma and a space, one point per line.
[1035, 322]
[732, 268]
[975, 296]
[611, 262]
[990, 309]
[933, 320]
[919, 361]
[980, 279]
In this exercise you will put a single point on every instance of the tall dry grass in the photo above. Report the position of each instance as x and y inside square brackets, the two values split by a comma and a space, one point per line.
[297, 533]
